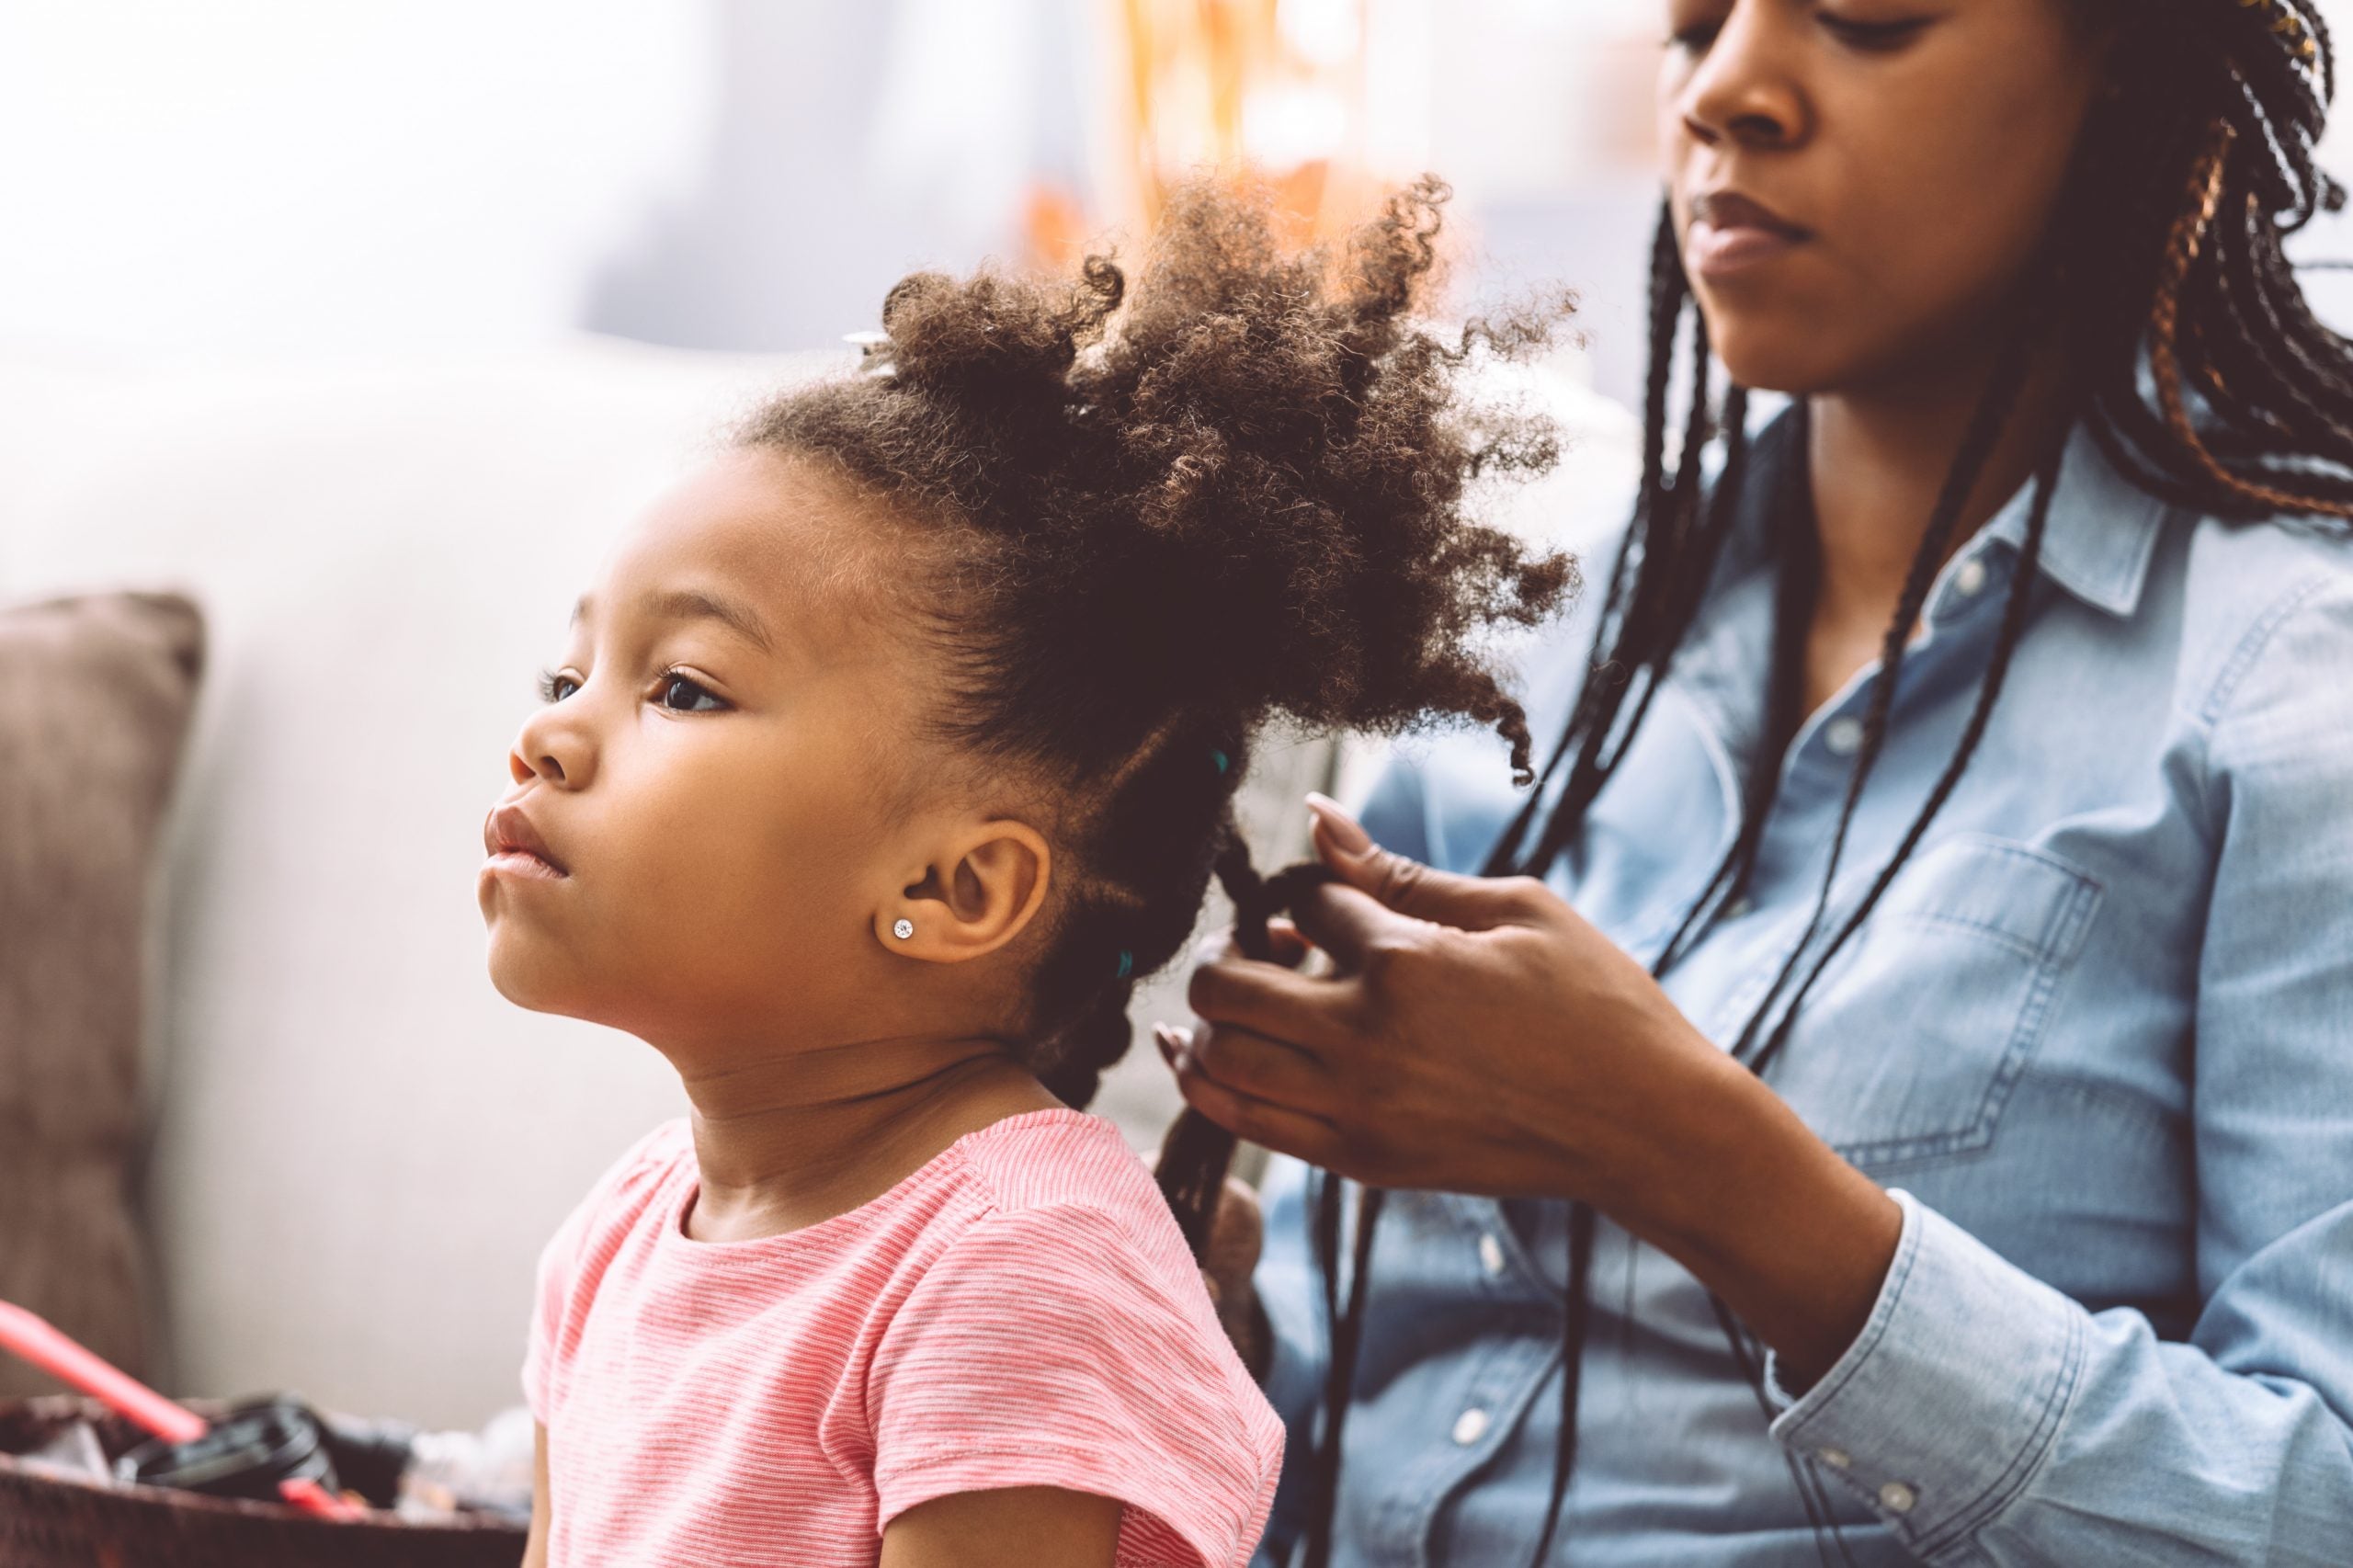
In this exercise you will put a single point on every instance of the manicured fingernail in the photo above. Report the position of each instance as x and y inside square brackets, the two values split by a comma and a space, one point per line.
[1165, 1038]
[1345, 831]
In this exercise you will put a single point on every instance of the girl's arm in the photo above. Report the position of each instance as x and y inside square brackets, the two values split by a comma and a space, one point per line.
[535, 1549]
[1014, 1526]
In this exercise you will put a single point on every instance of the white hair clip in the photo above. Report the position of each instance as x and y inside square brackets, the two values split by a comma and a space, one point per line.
[874, 353]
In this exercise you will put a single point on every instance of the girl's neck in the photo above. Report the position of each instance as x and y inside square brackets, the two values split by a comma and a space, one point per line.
[785, 1140]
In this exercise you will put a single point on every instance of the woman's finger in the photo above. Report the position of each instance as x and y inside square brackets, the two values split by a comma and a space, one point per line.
[1270, 1126]
[1250, 1063]
[1400, 882]
[1290, 948]
[1344, 921]
[1308, 1012]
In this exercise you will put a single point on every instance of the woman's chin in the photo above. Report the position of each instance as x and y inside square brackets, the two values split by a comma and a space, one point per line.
[1775, 351]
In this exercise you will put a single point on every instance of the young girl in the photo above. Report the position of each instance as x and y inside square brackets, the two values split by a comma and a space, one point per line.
[892, 750]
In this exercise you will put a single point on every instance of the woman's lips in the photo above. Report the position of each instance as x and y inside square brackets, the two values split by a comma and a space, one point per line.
[1730, 234]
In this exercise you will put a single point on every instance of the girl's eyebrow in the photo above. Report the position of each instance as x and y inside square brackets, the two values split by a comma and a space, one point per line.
[694, 603]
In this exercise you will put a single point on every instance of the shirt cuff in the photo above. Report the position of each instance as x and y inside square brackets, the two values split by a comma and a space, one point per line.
[1941, 1409]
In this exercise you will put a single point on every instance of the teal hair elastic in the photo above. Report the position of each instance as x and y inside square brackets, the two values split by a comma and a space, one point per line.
[1222, 761]
[1126, 964]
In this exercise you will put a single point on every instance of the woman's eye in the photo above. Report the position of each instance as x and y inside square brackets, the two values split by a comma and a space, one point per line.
[681, 695]
[1872, 35]
[554, 687]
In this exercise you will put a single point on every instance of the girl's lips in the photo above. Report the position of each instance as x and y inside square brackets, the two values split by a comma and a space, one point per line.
[522, 863]
[513, 843]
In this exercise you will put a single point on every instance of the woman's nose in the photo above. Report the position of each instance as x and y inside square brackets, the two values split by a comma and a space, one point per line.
[1745, 89]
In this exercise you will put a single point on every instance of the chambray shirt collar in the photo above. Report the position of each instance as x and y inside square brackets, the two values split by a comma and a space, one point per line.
[2096, 547]
[2102, 533]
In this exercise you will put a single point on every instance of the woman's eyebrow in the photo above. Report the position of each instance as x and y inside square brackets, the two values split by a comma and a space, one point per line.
[694, 603]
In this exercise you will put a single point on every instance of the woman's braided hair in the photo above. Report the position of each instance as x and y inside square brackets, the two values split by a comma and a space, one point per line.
[2195, 363]
[1143, 522]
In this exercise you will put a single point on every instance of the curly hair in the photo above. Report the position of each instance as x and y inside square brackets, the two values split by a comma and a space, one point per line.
[1148, 521]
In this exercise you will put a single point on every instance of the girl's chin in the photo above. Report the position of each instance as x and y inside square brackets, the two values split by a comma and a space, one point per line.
[530, 979]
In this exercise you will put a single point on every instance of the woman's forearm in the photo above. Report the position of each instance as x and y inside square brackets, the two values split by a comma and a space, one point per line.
[1740, 1191]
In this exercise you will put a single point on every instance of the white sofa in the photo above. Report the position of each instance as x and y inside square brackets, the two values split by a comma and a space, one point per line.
[359, 1145]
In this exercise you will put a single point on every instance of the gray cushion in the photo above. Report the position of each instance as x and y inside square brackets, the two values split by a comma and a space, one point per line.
[95, 697]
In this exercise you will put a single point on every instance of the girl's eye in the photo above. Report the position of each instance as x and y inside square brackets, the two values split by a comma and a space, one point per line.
[682, 695]
[1872, 37]
[1696, 38]
[554, 687]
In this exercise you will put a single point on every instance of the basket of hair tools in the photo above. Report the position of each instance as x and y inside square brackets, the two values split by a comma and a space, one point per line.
[126, 1478]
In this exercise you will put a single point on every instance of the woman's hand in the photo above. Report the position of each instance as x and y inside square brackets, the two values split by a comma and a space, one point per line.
[1476, 1035]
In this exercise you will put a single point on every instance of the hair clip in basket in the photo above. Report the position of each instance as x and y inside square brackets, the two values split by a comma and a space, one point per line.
[874, 353]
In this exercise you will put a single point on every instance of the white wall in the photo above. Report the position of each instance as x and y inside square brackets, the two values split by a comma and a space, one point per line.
[237, 177]
[273, 174]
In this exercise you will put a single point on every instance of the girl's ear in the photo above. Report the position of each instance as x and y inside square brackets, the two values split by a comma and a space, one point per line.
[979, 891]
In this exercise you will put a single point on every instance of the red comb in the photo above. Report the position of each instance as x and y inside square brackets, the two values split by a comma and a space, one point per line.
[34, 1339]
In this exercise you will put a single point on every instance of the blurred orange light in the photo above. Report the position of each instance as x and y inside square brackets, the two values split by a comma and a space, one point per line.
[1269, 89]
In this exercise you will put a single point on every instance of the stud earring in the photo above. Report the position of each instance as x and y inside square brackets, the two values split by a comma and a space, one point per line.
[902, 928]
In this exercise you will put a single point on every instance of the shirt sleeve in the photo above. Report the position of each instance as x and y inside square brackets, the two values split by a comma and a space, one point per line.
[1990, 1419]
[1045, 1348]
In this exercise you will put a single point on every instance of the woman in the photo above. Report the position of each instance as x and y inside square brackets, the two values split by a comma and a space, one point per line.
[1920, 1088]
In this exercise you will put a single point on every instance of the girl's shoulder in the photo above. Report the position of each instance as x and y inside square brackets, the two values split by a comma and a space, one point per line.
[642, 1169]
[1040, 1158]
[616, 1200]
[1063, 1182]
[1061, 1208]
[1062, 1337]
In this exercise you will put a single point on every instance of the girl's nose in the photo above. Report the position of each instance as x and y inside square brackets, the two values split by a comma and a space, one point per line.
[546, 768]
[553, 747]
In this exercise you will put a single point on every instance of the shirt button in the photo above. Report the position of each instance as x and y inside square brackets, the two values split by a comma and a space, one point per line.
[1491, 1255]
[1738, 908]
[1897, 1498]
[1471, 1425]
[1837, 1459]
[1843, 736]
[1969, 577]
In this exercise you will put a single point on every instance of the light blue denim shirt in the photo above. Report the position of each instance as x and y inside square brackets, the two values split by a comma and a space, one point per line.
[2097, 1037]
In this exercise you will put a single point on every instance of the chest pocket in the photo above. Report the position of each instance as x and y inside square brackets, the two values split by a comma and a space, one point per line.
[1911, 1042]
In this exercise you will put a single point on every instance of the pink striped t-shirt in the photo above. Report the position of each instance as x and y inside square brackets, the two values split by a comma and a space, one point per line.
[1021, 1311]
